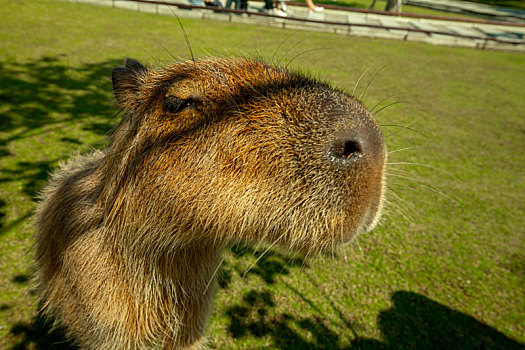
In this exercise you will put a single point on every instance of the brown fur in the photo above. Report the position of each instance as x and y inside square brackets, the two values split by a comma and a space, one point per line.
[207, 153]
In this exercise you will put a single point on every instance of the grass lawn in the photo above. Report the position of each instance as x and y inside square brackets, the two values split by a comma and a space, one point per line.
[446, 268]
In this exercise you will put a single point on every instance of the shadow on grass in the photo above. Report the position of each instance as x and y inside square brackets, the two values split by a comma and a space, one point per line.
[2, 214]
[49, 91]
[416, 322]
[253, 317]
[45, 97]
[39, 334]
[413, 322]
[268, 264]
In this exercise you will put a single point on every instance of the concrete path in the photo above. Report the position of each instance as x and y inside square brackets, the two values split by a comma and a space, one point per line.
[438, 32]
[487, 11]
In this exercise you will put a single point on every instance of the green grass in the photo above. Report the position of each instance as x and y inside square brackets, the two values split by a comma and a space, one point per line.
[444, 269]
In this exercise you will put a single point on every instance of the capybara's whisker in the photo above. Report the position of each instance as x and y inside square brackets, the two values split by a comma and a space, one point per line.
[302, 53]
[188, 45]
[425, 166]
[396, 210]
[288, 50]
[425, 185]
[413, 176]
[262, 255]
[389, 105]
[402, 149]
[371, 81]
[395, 205]
[383, 100]
[402, 186]
[408, 175]
[213, 276]
[391, 170]
[167, 51]
[280, 44]
[359, 80]
[402, 127]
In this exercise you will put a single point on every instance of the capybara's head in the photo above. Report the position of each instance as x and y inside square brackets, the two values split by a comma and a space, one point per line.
[235, 149]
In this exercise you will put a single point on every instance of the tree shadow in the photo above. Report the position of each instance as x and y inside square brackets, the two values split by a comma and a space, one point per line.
[268, 263]
[33, 174]
[253, 317]
[39, 334]
[3, 204]
[44, 97]
[413, 322]
[20, 279]
[47, 91]
[41, 95]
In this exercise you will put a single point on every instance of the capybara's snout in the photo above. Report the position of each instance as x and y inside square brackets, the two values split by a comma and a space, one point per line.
[355, 154]
[354, 147]
[361, 153]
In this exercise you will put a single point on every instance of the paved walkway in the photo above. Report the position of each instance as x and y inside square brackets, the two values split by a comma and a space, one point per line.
[493, 12]
[438, 32]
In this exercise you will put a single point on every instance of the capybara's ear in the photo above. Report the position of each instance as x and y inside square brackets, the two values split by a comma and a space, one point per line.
[127, 81]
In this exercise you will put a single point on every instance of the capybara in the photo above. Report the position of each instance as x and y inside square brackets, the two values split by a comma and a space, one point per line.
[207, 153]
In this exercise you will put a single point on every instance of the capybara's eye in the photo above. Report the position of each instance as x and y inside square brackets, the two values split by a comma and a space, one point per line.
[174, 105]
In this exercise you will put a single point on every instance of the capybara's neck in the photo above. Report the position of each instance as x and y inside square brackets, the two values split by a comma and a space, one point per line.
[165, 299]
[181, 284]
[140, 292]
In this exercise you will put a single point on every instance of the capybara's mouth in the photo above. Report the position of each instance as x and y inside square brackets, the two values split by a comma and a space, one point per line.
[373, 215]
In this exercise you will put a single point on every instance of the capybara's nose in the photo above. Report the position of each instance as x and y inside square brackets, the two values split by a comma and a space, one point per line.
[363, 144]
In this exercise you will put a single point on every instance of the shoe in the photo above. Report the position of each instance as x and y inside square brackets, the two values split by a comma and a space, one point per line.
[277, 12]
[317, 9]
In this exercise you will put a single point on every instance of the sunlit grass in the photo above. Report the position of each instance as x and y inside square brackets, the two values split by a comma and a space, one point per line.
[445, 268]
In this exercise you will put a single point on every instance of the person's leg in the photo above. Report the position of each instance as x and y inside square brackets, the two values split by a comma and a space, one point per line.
[312, 6]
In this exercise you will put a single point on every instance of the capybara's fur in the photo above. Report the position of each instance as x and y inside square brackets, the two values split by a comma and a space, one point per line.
[207, 153]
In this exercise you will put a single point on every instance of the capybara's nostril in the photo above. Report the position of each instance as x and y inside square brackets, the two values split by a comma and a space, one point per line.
[347, 148]
[352, 148]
